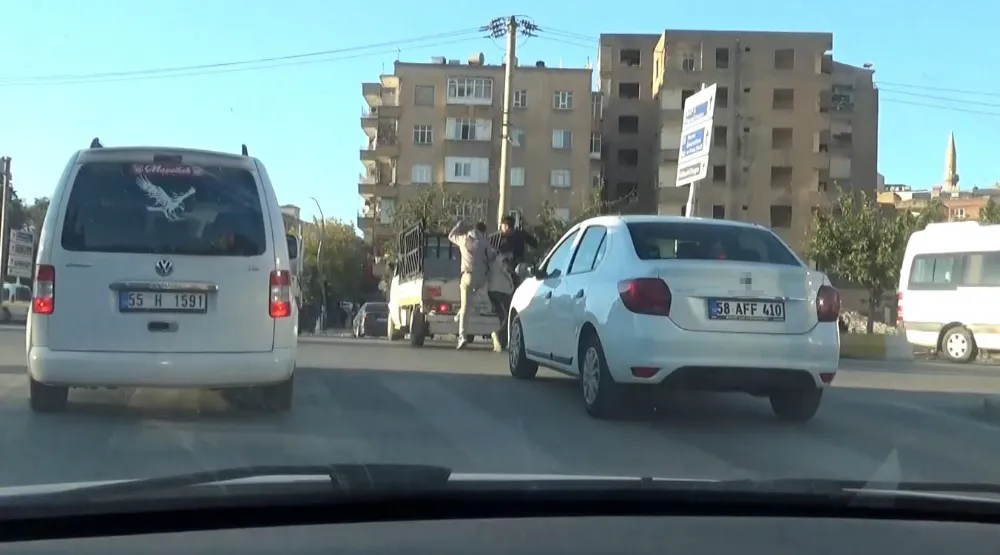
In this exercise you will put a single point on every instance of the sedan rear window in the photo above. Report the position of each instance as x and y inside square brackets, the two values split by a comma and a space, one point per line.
[164, 209]
[376, 307]
[706, 241]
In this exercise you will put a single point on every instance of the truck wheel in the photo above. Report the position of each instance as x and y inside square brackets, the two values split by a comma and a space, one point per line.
[391, 333]
[418, 329]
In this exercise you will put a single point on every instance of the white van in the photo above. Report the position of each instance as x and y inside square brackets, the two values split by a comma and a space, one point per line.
[162, 267]
[949, 289]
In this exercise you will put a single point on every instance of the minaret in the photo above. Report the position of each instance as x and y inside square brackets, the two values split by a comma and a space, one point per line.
[950, 183]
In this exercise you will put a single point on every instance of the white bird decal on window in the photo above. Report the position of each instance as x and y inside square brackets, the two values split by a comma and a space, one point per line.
[165, 203]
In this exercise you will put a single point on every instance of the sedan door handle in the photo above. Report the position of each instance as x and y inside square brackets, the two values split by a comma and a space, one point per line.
[579, 294]
[548, 295]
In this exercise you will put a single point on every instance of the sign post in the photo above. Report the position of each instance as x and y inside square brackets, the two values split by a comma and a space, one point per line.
[20, 254]
[696, 142]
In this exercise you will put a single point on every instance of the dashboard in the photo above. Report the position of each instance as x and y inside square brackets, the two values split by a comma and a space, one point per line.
[550, 536]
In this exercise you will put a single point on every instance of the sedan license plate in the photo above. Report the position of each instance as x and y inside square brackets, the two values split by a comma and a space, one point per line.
[156, 301]
[739, 309]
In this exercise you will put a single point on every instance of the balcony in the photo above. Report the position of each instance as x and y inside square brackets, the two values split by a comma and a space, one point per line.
[826, 64]
[378, 149]
[372, 92]
[369, 185]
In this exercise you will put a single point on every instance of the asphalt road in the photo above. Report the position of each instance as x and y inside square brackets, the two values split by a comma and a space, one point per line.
[369, 400]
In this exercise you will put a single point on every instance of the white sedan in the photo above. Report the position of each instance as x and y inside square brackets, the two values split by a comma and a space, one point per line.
[624, 302]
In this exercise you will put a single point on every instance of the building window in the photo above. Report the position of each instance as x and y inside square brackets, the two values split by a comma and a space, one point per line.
[628, 90]
[630, 57]
[719, 211]
[517, 177]
[596, 106]
[781, 177]
[423, 135]
[562, 138]
[721, 58]
[784, 58]
[560, 178]
[720, 136]
[781, 138]
[958, 214]
[420, 174]
[628, 125]
[781, 216]
[783, 99]
[719, 174]
[628, 157]
[423, 95]
[467, 170]
[596, 180]
[468, 129]
[595, 143]
[562, 214]
[521, 98]
[689, 62]
[562, 100]
[722, 97]
[470, 90]
[517, 136]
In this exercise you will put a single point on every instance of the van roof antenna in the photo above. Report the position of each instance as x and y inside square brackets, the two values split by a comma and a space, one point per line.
[96, 143]
[245, 151]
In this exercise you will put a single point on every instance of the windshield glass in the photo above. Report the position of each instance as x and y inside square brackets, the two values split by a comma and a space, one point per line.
[726, 250]
[157, 209]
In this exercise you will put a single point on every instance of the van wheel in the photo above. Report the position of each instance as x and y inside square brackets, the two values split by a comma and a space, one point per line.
[521, 367]
[418, 329]
[278, 397]
[958, 345]
[48, 398]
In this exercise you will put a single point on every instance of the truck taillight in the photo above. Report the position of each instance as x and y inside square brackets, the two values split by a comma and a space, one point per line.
[280, 286]
[43, 300]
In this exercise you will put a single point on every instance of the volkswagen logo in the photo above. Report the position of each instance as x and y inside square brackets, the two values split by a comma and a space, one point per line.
[164, 268]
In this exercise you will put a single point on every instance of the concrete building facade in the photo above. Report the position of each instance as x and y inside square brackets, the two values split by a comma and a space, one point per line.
[791, 124]
[440, 123]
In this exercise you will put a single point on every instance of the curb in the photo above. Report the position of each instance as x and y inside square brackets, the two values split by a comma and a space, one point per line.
[875, 347]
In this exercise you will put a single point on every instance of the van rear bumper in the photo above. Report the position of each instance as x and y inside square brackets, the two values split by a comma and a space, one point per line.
[180, 370]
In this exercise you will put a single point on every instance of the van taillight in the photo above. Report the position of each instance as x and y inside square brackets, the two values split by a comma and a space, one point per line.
[646, 296]
[43, 300]
[280, 285]
[899, 307]
[827, 304]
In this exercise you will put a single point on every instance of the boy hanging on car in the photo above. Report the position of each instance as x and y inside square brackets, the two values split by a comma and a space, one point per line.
[473, 246]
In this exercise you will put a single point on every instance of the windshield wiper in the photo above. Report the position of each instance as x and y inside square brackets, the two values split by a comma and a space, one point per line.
[343, 479]
[834, 486]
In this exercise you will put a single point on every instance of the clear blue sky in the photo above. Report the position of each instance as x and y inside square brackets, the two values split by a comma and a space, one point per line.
[303, 120]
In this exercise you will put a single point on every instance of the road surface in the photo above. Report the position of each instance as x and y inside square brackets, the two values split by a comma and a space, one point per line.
[369, 400]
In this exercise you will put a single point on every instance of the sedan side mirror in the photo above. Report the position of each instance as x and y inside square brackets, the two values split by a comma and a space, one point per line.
[293, 246]
[523, 270]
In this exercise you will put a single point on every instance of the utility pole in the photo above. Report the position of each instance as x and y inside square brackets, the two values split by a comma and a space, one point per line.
[5, 195]
[497, 28]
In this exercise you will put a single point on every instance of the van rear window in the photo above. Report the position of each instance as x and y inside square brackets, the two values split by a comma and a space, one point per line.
[164, 209]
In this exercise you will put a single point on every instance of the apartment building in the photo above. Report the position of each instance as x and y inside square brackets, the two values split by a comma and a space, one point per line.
[791, 125]
[440, 123]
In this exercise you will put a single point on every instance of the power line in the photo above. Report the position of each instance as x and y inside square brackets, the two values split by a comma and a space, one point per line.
[245, 65]
[939, 89]
[939, 107]
[945, 98]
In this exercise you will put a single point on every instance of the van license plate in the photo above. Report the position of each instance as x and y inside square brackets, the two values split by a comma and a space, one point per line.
[153, 301]
[738, 309]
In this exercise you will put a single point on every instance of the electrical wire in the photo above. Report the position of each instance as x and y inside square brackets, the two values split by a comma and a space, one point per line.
[247, 65]
[939, 107]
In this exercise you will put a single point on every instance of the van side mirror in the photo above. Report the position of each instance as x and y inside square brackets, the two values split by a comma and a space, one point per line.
[293, 246]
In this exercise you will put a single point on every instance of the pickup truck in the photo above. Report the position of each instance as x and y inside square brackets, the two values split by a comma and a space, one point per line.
[424, 291]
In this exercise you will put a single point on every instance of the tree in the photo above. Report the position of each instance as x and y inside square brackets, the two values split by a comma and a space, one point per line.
[859, 242]
[434, 205]
[22, 215]
[990, 213]
[343, 256]
[549, 227]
